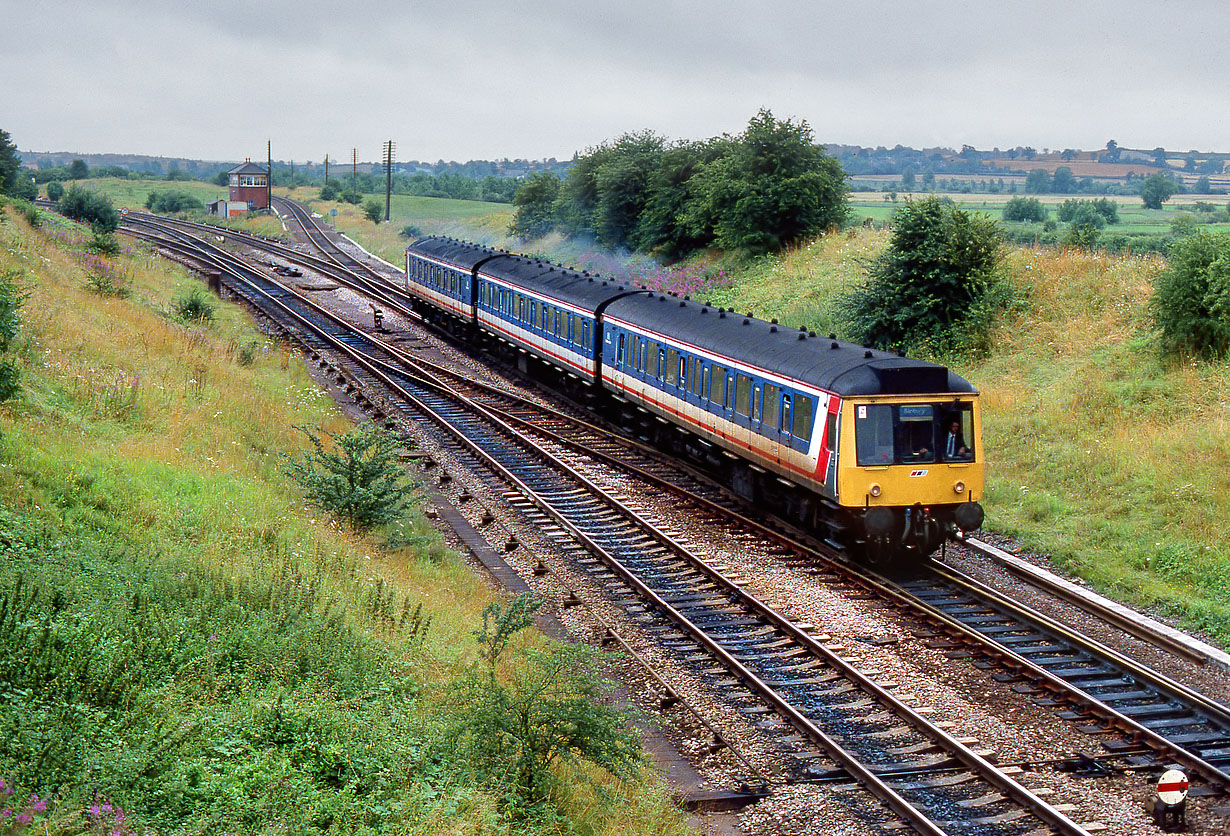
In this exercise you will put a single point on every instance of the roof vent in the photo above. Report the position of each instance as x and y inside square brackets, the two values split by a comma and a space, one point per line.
[802, 336]
[811, 333]
[901, 352]
[832, 336]
[747, 322]
[682, 304]
[721, 314]
[772, 329]
[661, 298]
[689, 298]
[704, 310]
[772, 321]
[591, 279]
[710, 304]
[834, 345]
[867, 354]
[603, 284]
[748, 314]
[550, 269]
[803, 328]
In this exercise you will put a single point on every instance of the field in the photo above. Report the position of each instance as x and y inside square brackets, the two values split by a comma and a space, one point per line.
[181, 636]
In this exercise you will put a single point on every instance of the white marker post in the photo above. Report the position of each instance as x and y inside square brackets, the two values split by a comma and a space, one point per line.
[1170, 807]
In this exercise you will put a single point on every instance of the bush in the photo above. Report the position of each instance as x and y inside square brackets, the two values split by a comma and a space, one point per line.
[1191, 300]
[1028, 209]
[172, 200]
[90, 207]
[11, 299]
[937, 284]
[55, 190]
[411, 231]
[512, 729]
[364, 482]
[373, 211]
[1104, 207]
[196, 306]
[1085, 227]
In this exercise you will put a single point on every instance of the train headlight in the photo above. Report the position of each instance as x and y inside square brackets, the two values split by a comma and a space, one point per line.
[959, 487]
[875, 490]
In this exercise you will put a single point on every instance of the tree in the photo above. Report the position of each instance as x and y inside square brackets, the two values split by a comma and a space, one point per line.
[1191, 299]
[1085, 226]
[623, 181]
[55, 190]
[1028, 209]
[664, 227]
[1063, 181]
[534, 215]
[1202, 185]
[363, 482]
[1157, 189]
[1112, 152]
[775, 188]
[10, 162]
[937, 283]
[1038, 181]
[1159, 156]
[373, 211]
[1069, 154]
[78, 170]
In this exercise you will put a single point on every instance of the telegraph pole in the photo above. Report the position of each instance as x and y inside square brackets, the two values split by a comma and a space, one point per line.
[354, 172]
[326, 169]
[269, 179]
[388, 176]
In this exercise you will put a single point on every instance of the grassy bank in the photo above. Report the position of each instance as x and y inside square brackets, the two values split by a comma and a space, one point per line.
[180, 637]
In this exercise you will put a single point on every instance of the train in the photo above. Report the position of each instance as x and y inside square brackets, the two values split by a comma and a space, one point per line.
[876, 453]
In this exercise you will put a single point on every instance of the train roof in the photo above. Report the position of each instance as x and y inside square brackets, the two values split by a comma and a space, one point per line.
[461, 253]
[582, 289]
[843, 368]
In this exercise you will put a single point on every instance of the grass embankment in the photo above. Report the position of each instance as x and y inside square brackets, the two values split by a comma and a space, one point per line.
[1099, 453]
[179, 635]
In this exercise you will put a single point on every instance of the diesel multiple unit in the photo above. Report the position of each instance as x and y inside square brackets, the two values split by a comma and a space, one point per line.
[879, 454]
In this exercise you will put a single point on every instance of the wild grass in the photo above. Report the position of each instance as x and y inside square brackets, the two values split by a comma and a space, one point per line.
[179, 634]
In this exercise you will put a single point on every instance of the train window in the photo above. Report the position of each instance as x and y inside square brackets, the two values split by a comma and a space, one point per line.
[559, 322]
[914, 433]
[802, 417]
[873, 434]
[696, 384]
[830, 431]
[756, 411]
[706, 376]
[585, 341]
[772, 404]
[533, 312]
[784, 426]
[672, 366]
[651, 357]
[572, 328]
[743, 394]
[619, 351]
[661, 363]
[717, 386]
[682, 369]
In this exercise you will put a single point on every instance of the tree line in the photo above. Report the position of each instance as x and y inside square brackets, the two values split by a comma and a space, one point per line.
[767, 188]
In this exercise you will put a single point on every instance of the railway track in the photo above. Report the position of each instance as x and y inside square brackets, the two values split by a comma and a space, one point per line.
[829, 711]
[1160, 721]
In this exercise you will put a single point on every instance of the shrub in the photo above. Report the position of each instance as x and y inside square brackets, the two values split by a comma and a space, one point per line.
[105, 278]
[938, 283]
[1106, 208]
[1191, 300]
[1028, 209]
[1085, 227]
[11, 299]
[196, 306]
[329, 191]
[55, 190]
[173, 200]
[513, 728]
[372, 210]
[411, 231]
[90, 207]
[364, 482]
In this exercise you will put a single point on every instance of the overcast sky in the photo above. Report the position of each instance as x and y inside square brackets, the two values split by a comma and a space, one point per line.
[460, 80]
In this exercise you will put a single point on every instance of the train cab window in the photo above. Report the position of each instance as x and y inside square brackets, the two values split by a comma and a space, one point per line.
[743, 395]
[873, 434]
[802, 417]
[772, 405]
[717, 385]
[914, 433]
